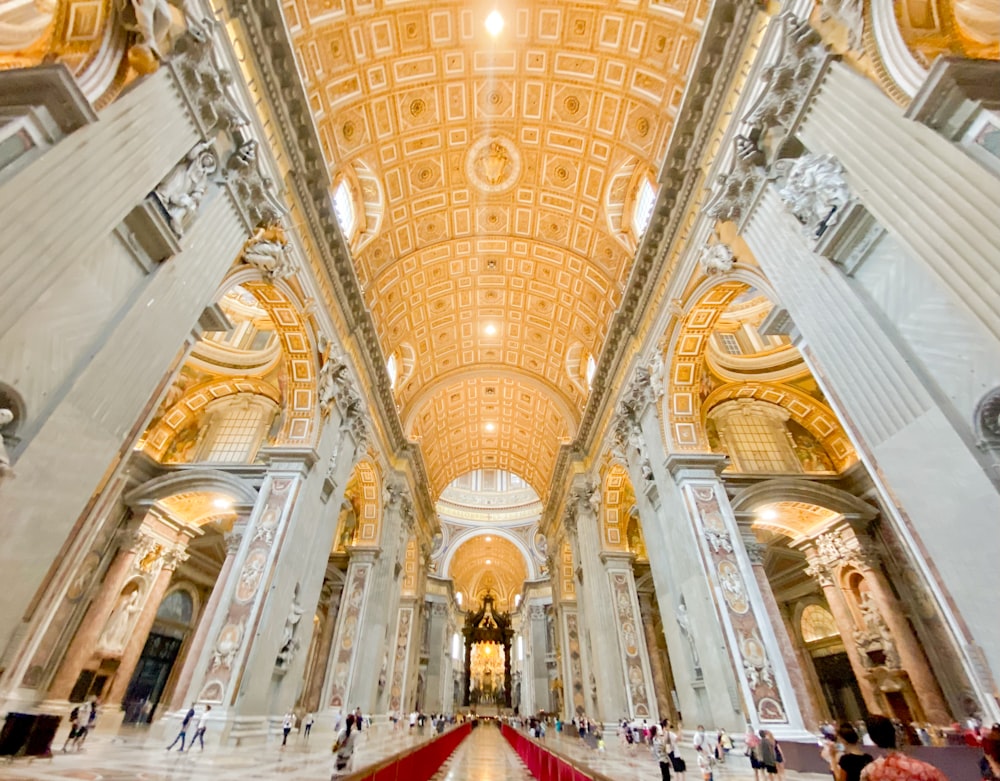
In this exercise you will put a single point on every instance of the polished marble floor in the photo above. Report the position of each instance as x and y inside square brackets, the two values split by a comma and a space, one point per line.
[133, 755]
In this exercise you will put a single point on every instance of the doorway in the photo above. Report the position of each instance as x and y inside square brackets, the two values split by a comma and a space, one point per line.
[150, 678]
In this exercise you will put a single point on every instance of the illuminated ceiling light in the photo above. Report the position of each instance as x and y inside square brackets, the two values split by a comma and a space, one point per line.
[491, 426]
[494, 23]
[768, 514]
[488, 561]
[489, 539]
[490, 329]
[222, 504]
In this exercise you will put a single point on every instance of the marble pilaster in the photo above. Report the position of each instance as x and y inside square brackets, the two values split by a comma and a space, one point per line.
[439, 652]
[764, 681]
[343, 663]
[900, 431]
[803, 693]
[609, 678]
[633, 652]
[663, 683]
[205, 620]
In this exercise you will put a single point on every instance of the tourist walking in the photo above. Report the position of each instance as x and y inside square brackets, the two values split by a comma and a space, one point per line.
[182, 735]
[308, 723]
[343, 748]
[199, 732]
[661, 751]
[287, 725]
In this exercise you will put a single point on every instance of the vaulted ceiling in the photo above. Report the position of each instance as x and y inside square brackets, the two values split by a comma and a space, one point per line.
[495, 176]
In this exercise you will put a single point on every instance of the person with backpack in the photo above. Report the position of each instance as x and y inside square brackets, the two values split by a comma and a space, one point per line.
[343, 747]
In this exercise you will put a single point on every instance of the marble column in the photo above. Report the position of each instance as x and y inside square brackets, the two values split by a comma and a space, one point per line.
[919, 185]
[846, 549]
[765, 685]
[536, 676]
[235, 673]
[121, 615]
[206, 619]
[607, 674]
[663, 684]
[901, 434]
[329, 606]
[841, 613]
[633, 653]
[576, 692]
[786, 645]
[343, 663]
[439, 651]
[144, 623]
[384, 587]
[400, 658]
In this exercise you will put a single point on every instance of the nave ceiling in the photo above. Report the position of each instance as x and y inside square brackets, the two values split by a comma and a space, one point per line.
[495, 180]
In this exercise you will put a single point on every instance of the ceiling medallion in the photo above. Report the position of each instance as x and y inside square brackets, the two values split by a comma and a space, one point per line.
[493, 164]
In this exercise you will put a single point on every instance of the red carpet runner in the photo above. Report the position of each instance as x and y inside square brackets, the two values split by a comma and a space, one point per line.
[543, 764]
[417, 765]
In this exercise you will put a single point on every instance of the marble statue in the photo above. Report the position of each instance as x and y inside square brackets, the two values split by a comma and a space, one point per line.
[717, 259]
[6, 417]
[151, 21]
[269, 252]
[349, 522]
[850, 14]
[815, 191]
[184, 188]
[289, 642]
[332, 377]
[684, 622]
[116, 631]
[656, 369]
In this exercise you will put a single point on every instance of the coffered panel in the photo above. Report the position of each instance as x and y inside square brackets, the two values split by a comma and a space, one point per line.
[505, 166]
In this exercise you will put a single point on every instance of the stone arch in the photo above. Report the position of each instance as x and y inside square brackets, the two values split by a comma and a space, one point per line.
[797, 507]
[157, 441]
[364, 490]
[470, 533]
[810, 413]
[618, 498]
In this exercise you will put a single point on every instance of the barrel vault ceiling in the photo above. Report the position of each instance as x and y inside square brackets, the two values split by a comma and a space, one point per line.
[497, 177]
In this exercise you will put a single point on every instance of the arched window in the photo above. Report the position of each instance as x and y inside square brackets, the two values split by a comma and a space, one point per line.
[645, 199]
[236, 428]
[392, 368]
[591, 370]
[343, 207]
[754, 436]
[817, 623]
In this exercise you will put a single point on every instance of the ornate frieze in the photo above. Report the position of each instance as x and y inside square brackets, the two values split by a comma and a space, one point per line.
[790, 80]
[842, 547]
[735, 191]
[346, 643]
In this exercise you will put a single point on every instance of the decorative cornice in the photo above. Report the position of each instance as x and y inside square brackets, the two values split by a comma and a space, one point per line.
[271, 47]
[727, 28]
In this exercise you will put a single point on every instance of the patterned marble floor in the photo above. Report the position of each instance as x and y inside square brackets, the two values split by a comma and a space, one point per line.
[483, 756]
[129, 755]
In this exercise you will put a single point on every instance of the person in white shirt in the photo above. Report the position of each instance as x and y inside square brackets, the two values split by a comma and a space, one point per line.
[199, 733]
[698, 739]
[287, 725]
[308, 724]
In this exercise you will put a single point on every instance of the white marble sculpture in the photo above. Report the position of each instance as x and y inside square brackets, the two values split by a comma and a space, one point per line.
[289, 642]
[269, 252]
[151, 21]
[717, 259]
[117, 630]
[6, 416]
[184, 188]
[816, 191]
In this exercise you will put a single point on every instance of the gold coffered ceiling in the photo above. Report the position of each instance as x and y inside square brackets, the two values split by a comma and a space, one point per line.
[496, 178]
